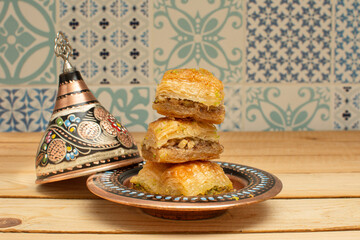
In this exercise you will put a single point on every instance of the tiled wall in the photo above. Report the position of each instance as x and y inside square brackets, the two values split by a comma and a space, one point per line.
[286, 65]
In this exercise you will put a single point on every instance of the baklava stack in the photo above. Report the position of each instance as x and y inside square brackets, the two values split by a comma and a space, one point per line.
[177, 148]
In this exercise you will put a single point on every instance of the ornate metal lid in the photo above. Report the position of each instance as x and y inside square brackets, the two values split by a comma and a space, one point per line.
[82, 136]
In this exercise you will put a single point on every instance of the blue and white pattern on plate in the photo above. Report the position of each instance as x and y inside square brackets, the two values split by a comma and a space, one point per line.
[347, 51]
[288, 41]
[347, 108]
[201, 33]
[287, 108]
[259, 182]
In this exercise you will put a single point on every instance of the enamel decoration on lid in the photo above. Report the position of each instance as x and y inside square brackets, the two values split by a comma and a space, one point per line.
[82, 136]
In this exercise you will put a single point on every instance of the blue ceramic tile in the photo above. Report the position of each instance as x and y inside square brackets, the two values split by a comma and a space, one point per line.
[131, 105]
[26, 109]
[347, 51]
[287, 108]
[233, 111]
[347, 108]
[27, 34]
[201, 33]
[288, 41]
[110, 39]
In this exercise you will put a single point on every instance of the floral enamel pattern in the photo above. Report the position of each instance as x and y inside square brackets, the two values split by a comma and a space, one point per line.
[77, 135]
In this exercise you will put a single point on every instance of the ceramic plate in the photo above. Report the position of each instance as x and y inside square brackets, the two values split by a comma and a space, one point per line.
[251, 185]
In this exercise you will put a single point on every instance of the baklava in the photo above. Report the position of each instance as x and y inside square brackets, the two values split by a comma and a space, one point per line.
[186, 179]
[197, 94]
[173, 140]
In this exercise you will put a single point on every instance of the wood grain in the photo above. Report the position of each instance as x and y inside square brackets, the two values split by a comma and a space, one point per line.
[320, 172]
[97, 215]
[343, 235]
[294, 186]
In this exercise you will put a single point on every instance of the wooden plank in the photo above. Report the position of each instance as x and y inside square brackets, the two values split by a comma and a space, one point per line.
[17, 164]
[320, 185]
[97, 215]
[316, 185]
[23, 186]
[273, 164]
[20, 137]
[344, 235]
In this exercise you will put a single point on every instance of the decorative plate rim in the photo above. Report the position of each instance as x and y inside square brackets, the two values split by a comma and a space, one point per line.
[261, 186]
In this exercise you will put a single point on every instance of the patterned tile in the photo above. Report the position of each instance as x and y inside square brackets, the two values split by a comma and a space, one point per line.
[289, 108]
[26, 109]
[288, 41]
[347, 108]
[122, 56]
[110, 39]
[233, 111]
[130, 105]
[26, 41]
[347, 51]
[202, 33]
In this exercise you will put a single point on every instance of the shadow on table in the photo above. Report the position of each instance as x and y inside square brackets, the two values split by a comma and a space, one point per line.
[72, 188]
[120, 218]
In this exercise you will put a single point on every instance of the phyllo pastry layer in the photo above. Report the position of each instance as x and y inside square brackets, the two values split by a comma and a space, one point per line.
[172, 140]
[186, 179]
[191, 93]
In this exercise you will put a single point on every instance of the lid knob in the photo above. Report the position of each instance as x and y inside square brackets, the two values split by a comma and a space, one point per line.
[64, 50]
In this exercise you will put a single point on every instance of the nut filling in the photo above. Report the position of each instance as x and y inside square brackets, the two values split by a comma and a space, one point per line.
[183, 150]
[190, 104]
[188, 143]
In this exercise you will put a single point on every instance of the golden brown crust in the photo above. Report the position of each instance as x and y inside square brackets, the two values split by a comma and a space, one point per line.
[187, 179]
[191, 84]
[149, 178]
[180, 108]
[164, 129]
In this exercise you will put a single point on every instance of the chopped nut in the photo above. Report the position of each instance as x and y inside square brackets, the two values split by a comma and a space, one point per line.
[183, 143]
[190, 144]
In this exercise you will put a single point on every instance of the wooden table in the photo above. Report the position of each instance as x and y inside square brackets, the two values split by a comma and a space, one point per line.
[320, 199]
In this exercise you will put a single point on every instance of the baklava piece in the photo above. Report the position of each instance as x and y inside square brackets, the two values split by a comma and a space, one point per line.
[197, 94]
[186, 179]
[171, 140]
